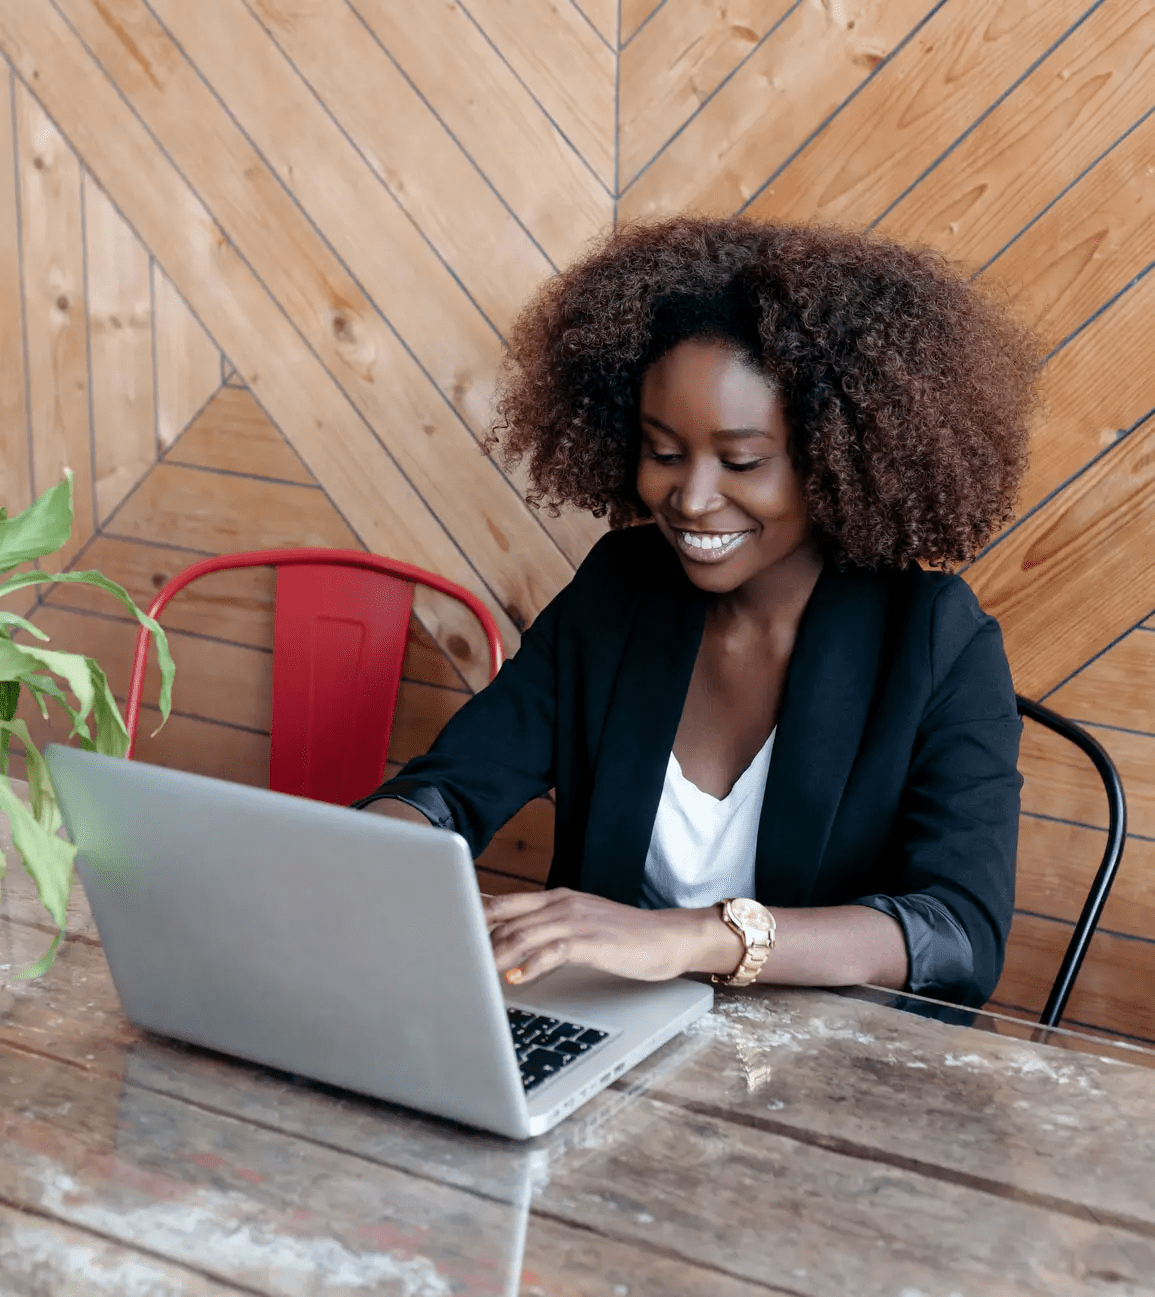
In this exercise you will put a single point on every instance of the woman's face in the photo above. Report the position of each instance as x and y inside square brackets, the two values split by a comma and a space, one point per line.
[715, 469]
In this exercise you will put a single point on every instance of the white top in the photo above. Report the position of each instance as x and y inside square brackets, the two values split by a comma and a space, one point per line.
[702, 847]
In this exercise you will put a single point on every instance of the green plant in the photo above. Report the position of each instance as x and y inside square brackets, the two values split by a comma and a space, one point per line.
[96, 720]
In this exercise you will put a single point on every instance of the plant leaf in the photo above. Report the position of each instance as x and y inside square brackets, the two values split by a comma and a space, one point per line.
[9, 698]
[16, 662]
[40, 530]
[111, 731]
[22, 623]
[48, 858]
[163, 653]
[41, 794]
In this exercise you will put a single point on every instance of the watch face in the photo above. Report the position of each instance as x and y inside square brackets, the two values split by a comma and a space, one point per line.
[749, 914]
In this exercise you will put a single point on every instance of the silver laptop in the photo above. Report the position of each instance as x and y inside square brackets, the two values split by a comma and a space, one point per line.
[345, 947]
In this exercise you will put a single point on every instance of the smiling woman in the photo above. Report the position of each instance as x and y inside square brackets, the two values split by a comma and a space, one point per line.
[784, 749]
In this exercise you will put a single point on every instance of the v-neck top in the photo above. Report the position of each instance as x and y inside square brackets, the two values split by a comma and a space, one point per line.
[702, 847]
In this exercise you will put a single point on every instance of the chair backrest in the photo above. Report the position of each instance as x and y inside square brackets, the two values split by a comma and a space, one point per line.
[342, 619]
[1109, 866]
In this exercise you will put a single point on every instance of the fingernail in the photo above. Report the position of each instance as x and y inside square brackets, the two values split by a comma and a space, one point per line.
[514, 975]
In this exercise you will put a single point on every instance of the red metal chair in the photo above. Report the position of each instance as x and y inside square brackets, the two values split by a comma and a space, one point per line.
[342, 618]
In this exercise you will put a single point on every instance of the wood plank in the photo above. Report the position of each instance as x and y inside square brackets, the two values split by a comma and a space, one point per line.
[677, 61]
[603, 15]
[796, 1069]
[342, 1232]
[15, 451]
[236, 606]
[120, 325]
[301, 397]
[386, 266]
[523, 848]
[1113, 992]
[1056, 863]
[529, 164]
[425, 170]
[565, 66]
[215, 681]
[493, 884]
[188, 362]
[329, 309]
[422, 711]
[950, 73]
[39, 1256]
[1037, 141]
[1083, 563]
[633, 13]
[55, 315]
[1089, 246]
[794, 82]
[1061, 782]
[219, 513]
[233, 433]
[1115, 689]
[1095, 388]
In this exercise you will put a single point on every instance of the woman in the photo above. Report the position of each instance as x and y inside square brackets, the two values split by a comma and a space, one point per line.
[783, 748]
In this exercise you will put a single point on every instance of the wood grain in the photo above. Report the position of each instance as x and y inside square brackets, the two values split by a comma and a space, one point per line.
[1097, 387]
[1061, 782]
[233, 433]
[220, 513]
[301, 397]
[953, 69]
[781, 96]
[603, 16]
[523, 848]
[1039, 140]
[188, 362]
[565, 66]
[529, 163]
[1088, 246]
[634, 13]
[1083, 562]
[217, 681]
[55, 307]
[427, 173]
[1057, 862]
[1113, 991]
[121, 342]
[1117, 688]
[677, 61]
[328, 307]
[422, 711]
[15, 452]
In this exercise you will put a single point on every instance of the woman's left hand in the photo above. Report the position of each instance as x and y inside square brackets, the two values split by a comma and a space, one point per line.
[534, 932]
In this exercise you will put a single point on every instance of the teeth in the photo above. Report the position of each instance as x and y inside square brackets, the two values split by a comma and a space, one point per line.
[692, 541]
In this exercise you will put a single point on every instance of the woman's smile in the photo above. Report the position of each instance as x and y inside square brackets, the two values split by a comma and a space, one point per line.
[709, 547]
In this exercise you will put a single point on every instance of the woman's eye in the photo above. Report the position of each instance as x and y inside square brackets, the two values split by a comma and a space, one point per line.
[744, 466]
[670, 457]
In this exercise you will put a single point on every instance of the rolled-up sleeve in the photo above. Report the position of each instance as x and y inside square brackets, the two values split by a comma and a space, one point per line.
[958, 822]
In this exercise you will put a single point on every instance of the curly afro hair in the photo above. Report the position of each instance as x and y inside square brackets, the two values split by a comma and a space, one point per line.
[907, 392]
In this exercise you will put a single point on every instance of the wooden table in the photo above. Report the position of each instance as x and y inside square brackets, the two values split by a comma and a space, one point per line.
[794, 1142]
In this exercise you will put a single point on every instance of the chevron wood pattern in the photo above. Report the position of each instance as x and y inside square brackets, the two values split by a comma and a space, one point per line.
[258, 259]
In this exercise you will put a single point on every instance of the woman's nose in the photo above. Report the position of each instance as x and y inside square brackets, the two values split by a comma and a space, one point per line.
[697, 494]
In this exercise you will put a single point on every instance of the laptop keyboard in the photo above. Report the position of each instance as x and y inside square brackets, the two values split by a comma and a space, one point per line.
[545, 1045]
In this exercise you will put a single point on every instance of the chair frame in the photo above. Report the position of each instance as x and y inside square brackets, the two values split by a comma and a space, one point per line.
[290, 558]
[1116, 838]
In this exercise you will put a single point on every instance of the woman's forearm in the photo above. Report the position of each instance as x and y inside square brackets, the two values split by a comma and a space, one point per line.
[841, 945]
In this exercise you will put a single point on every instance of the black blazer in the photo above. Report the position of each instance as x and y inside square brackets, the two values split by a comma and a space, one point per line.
[892, 783]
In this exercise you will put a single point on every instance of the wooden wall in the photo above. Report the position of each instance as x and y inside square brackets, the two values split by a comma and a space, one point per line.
[257, 258]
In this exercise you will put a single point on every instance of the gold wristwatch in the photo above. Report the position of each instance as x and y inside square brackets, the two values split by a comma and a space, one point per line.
[755, 925]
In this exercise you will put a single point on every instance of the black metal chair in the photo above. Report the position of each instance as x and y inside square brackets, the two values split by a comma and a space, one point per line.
[1116, 836]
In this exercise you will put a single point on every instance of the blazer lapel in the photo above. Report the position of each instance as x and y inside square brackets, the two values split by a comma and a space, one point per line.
[642, 720]
[829, 691]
